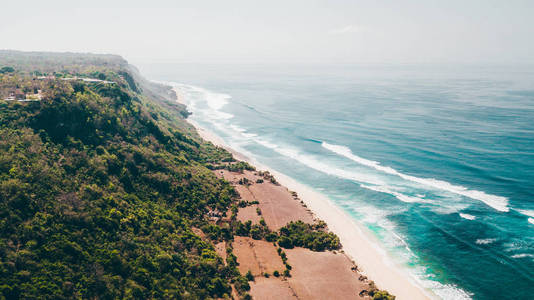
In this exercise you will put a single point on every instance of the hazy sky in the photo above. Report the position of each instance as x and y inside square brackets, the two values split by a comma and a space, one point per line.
[276, 31]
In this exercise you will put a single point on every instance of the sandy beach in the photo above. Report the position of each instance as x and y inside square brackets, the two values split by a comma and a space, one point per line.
[358, 244]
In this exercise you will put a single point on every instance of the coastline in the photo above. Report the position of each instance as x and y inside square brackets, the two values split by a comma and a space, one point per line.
[357, 243]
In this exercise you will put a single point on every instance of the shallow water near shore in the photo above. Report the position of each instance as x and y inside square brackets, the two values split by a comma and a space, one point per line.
[436, 161]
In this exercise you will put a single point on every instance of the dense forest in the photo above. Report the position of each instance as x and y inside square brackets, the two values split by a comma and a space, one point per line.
[101, 183]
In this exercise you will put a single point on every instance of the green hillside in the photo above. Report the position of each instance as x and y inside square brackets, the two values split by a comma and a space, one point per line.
[101, 182]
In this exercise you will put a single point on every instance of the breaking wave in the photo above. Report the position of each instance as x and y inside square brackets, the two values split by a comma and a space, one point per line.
[496, 202]
[467, 216]
[485, 241]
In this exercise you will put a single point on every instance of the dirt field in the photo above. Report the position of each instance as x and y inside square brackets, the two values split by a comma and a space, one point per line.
[323, 275]
[249, 213]
[234, 177]
[277, 204]
[245, 193]
[256, 256]
[314, 275]
[271, 289]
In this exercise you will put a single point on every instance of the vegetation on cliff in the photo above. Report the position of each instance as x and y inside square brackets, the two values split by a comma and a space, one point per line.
[100, 185]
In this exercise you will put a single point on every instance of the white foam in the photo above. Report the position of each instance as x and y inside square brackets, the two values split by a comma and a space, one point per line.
[467, 216]
[372, 215]
[214, 102]
[514, 246]
[405, 256]
[217, 101]
[526, 212]
[249, 135]
[326, 168]
[318, 165]
[496, 202]
[485, 241]
[400, 196]
[216, 115]
[237, 128]
[449, 291]
[242, 132]
[265, 143]
[522, 255]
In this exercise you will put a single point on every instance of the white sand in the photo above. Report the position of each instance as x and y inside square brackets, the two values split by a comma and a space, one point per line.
[358, 243]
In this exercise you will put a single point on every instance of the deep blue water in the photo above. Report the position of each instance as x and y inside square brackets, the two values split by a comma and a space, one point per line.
[437, 161]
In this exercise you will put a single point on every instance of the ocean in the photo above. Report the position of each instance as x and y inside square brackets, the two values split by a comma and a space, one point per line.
[437, 161]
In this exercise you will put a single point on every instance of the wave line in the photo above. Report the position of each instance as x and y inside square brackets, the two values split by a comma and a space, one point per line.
[496, 202]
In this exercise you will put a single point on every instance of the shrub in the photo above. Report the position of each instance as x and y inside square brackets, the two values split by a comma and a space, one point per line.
[256, 233]
[243, 229]
[300, 234]
[285, 242]
[231, 260]
[241, 284]
[382, 295]
[271, 237]
[214, 232]
[239, 167]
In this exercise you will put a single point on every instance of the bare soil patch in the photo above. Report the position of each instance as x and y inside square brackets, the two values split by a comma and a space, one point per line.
[323, 275]
[278, 205]
[248, 213]
[256, 256]
[276, 202]
[271, 288]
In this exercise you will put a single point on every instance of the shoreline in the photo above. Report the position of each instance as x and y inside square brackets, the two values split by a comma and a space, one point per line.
[357, 244]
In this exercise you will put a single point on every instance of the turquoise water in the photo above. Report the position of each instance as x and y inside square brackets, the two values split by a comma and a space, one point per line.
[437, 161]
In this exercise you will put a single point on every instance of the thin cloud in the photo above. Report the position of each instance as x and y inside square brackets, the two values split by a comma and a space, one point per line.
[347, 29]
